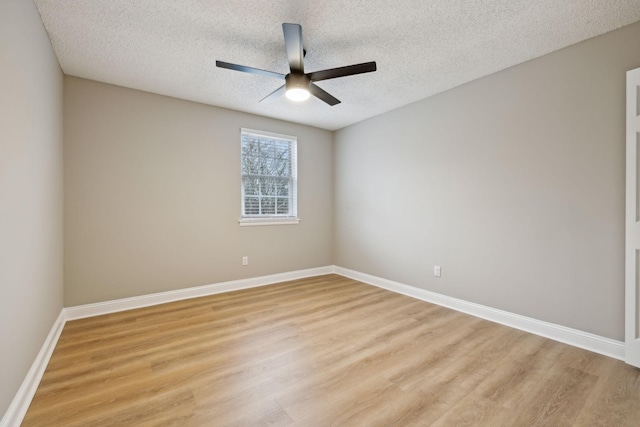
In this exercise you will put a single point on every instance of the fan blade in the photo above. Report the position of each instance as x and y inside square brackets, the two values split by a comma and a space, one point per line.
[250, 70]
[321, 94]
[293, 44]
[349, 70]
[275, 94]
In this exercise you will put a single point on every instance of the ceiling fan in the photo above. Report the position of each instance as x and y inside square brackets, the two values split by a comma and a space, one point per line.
[299, 85]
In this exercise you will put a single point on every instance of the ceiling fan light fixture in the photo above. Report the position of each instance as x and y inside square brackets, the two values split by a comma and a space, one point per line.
[297, 86]
[297, 94]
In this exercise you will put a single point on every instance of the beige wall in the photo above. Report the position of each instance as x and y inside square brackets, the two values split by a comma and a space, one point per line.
[152, 196]
[513, 184]
[30, 192]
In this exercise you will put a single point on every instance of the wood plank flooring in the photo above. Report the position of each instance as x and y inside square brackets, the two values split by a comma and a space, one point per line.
[323, 351]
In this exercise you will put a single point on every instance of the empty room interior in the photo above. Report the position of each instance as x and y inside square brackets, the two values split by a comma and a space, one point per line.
[441, 234]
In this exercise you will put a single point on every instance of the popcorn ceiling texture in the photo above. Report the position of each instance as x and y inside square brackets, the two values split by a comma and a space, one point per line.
[421, 47]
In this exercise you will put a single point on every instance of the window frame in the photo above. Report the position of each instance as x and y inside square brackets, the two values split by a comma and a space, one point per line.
[276, 219]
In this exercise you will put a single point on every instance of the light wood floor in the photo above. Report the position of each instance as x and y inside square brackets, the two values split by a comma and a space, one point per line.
[318, 352]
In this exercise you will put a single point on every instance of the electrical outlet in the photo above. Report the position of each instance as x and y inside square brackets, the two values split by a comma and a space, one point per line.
[436, 270]
[245, 260]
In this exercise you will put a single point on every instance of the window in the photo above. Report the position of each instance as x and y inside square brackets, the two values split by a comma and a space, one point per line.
[269, 178]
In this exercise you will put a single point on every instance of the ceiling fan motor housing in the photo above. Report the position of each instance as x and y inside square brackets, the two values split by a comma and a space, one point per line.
[297, 81]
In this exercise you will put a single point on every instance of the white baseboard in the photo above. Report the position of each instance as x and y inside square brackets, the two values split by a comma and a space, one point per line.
[22, 400]
[574, 337]
[20, 404]
[90, 310]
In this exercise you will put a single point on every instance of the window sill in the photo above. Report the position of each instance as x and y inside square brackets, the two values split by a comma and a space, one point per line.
[251, 222]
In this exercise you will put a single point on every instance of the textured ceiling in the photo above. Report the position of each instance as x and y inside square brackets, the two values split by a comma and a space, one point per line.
[421, 47]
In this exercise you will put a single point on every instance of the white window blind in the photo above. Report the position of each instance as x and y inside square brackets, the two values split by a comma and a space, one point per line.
[269, 177]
